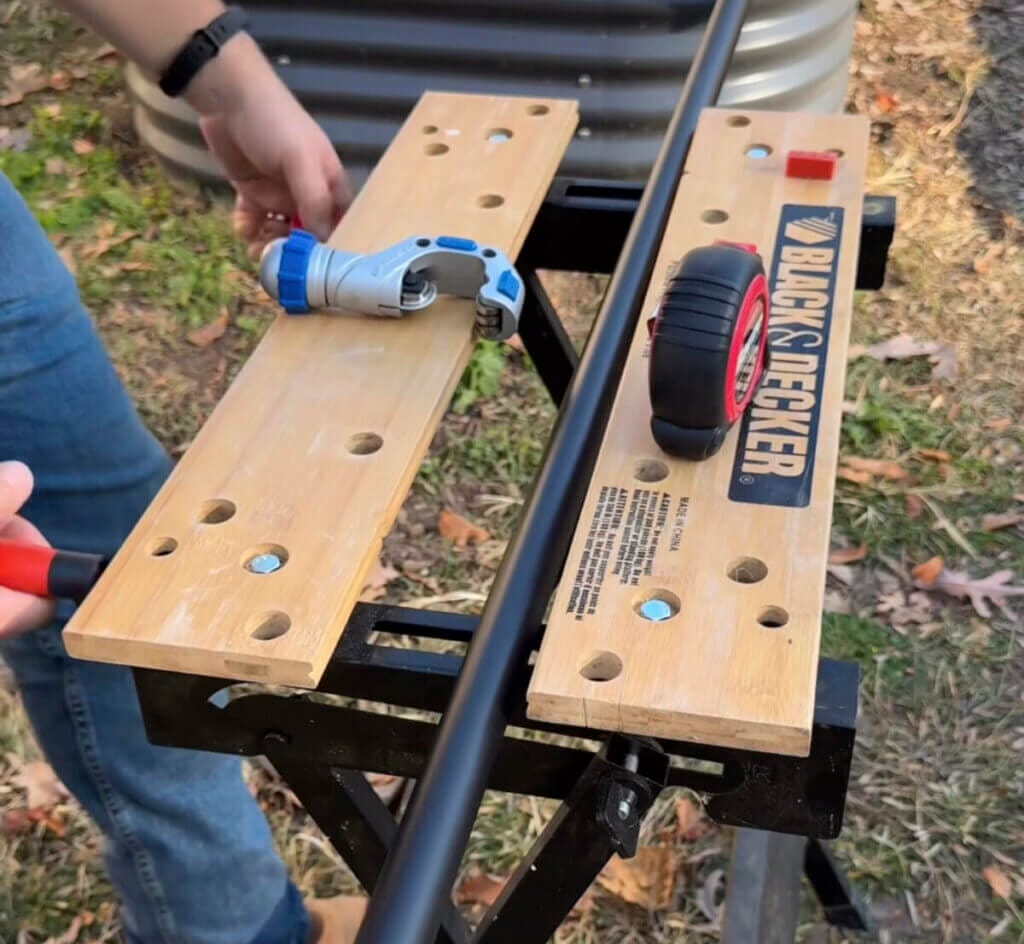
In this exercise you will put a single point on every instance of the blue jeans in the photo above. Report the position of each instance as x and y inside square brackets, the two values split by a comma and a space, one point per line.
[188, 848]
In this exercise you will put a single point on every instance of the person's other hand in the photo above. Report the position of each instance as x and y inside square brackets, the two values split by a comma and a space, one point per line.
[278, 159]
[19, 612]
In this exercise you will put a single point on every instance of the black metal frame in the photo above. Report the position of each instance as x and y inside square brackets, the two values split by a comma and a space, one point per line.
[784, 805]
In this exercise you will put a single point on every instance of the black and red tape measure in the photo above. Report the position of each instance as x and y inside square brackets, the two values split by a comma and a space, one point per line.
[708, 348]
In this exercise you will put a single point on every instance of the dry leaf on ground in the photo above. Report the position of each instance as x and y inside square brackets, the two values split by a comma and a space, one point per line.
[927, 573]
[937, 455]
[103, 245]
[377, 581]
[60, 81]
[648, 879]
[903, 346]
[883, 468]
[480, 889]
[40, 782]
[851, 475]
[1008, 519]
[691, 823]
[207, 334]
[1000, 424]
[848, 555]
[455, 528]
[14, 139]
[82, 146]
[997, 880]
[914, 505]
[23, 80]
[995, 588]
[105, 51]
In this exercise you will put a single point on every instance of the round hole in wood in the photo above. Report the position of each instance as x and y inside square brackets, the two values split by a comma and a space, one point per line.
[265, 558]
[656, 605]
[217, 511]
[490, 200]
[650, 470]
[602, 667]
[270, 625]
[738, 121]
[758, 151]
[747, 570]
[162, 547]
[497, 135]
[537, 110]
[773, 617]
[436, 149]
[714, 216]
[430, 129]
[364, 444]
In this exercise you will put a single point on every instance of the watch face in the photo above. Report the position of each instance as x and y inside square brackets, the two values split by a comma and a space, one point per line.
[748, 353]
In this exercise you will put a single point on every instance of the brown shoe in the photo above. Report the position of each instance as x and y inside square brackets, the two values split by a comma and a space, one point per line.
[335, 920]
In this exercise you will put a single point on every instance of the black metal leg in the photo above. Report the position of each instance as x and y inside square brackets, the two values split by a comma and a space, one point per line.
[545, 339]
[763, 890]
[354, 819]
[600, 816]
[842, 905]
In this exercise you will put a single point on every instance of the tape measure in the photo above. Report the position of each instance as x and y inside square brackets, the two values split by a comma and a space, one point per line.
[708, 348]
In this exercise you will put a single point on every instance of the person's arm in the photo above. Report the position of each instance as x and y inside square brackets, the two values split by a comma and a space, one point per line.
[275, 155]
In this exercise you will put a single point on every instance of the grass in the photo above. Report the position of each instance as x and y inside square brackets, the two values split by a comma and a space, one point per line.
[937, 789]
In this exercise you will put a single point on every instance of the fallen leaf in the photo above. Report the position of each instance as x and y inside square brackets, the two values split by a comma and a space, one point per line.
[53, 823]
[914, 505]
[15, 822]
[14, 139]
[997, 880]
[55, 167]
[103, 245]
[903, 346]
[997, 522]
[885, 468]
[82, 146]
[70, 936]
[954, 412]
[377, 581]
[131, 266]
[848, 555]
[455, 528]
[691, 824]
[936, 455]
[52, 111]
[885, 101]
[648, 879]
[104, 52]
[851, 475]
[207, 334]
[23, 80]
[40, 782]
[1000, 424]
[995, 587]
[60, 81]
[480, 889]
[927, 573]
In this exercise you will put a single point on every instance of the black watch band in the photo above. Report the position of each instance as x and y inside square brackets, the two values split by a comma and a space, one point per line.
[200, 49]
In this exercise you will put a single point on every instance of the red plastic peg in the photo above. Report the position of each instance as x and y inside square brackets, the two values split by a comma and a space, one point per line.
[811, 165]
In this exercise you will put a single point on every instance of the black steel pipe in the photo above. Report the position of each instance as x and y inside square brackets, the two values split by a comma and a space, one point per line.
[416, 881]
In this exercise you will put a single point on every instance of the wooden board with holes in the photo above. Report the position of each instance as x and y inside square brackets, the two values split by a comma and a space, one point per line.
[735, 548]
[313, 448]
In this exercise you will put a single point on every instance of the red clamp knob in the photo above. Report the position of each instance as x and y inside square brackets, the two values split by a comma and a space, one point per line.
[811, 165]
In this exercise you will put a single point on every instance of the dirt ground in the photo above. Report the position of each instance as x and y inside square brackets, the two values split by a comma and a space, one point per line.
[934, 832]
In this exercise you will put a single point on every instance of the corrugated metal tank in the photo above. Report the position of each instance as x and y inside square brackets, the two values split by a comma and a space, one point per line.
[359, 66]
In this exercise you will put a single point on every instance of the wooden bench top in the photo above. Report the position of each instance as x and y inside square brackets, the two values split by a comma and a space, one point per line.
[737, 545]
[314, 447]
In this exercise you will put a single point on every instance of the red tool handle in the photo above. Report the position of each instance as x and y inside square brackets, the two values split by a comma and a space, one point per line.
[48, 572]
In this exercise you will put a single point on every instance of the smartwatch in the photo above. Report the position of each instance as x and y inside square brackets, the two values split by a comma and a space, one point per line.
[200, 49]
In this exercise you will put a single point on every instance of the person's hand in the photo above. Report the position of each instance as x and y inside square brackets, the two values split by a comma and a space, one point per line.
[19, 612]
[278, 159]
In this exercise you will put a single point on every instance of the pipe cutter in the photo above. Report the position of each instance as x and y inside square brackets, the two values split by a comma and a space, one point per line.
[305, 275]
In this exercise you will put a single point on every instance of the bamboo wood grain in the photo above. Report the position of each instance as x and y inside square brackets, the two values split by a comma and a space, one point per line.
[291, 446]
[722, 670]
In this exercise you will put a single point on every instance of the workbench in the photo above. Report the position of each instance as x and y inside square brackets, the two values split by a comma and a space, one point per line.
[310, 454]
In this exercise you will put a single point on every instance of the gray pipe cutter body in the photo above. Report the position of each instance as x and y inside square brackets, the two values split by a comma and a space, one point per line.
[305, 275]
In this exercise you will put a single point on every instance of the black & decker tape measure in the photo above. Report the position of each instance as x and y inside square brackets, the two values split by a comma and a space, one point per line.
[708, 348]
